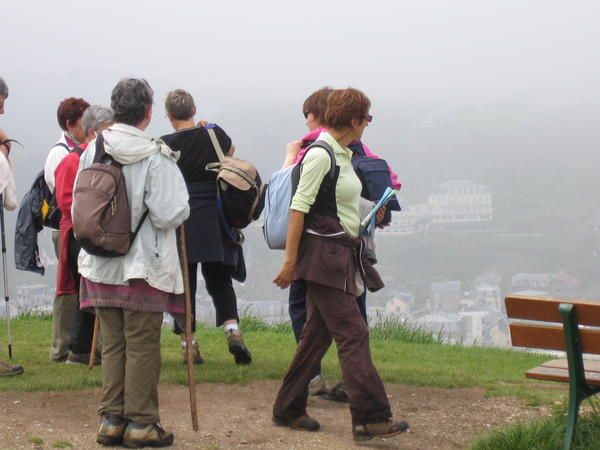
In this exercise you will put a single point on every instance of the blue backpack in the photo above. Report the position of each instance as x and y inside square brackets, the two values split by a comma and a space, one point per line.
[280, 191]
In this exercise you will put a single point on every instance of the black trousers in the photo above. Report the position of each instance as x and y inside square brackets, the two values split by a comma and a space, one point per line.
[82, 329]
[297, 309]
[220, 288]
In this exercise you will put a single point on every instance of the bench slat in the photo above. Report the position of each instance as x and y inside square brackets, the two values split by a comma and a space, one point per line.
[562, 375]
[550, 337]
[589, 365]
[545, 309]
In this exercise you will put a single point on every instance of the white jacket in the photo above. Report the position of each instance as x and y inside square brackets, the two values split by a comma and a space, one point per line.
[154, 182]
[56, 154]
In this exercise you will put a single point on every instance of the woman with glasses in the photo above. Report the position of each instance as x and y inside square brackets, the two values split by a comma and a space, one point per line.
[324, 250]
[314, 112]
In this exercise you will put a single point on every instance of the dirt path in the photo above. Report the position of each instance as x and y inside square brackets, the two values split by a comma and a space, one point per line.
[234, 416]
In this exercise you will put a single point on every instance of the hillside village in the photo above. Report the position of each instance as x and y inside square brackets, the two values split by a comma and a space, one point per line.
[467, 312]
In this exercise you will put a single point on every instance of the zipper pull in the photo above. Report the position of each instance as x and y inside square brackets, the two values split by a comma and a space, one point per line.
[113, 206]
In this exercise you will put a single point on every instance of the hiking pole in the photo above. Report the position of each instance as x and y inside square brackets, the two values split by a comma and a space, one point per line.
[188, 326]
[4, 269]
[94, 342]
[5, 277]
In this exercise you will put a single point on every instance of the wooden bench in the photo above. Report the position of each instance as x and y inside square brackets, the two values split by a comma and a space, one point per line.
[563, 331]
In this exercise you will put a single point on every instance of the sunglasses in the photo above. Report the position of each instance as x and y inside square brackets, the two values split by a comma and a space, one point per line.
[368, 118]
[306, 113]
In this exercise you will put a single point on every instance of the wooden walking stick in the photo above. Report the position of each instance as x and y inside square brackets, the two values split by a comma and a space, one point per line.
[94, 342]
[188, 326]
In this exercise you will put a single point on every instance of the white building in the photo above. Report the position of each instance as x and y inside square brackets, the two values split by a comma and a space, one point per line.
[489, 295]
[412, 219]
[460, 201]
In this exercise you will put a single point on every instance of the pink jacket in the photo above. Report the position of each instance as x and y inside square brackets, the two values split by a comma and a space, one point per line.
[314, 135]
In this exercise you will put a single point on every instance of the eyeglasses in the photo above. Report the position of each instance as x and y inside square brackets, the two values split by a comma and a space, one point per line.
[368, 118]
[306, 113]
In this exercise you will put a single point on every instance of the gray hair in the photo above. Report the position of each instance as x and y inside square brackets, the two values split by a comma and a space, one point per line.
[3, 88]
[180, 104]
[130, 100]
[95, 117]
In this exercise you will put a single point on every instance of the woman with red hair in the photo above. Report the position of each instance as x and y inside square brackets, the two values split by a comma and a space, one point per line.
[324, 249]
[69, 115]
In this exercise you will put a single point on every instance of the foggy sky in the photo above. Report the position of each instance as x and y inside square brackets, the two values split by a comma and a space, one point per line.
[514, 83]
[251, 64]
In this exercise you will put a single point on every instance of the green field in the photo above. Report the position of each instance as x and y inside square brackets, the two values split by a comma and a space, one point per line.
[402, 354]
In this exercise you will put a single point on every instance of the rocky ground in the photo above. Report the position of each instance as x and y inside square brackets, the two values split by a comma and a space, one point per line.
[239, 416]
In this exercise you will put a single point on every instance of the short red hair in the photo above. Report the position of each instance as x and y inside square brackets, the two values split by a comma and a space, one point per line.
[70, 109]
[345, 105]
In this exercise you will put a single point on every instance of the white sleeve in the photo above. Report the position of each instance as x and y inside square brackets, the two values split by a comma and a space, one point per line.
[7, 184]
[56, 155]
[166, 194]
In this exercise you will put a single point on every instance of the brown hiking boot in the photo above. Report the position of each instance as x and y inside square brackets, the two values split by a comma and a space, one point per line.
[195, 354]
[9, 370]
[237, 347]
[302, 423]
[146, 435]
[111, 431]
[384, 429]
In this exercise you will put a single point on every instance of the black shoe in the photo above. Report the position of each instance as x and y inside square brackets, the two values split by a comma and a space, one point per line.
[146, 435]
[337, 393]
[82, 358]
[302, 423]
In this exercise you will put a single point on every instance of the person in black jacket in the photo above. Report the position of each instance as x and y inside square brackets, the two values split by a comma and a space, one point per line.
[210, 241]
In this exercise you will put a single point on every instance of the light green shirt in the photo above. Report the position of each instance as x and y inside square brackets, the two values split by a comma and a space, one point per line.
[315, 167]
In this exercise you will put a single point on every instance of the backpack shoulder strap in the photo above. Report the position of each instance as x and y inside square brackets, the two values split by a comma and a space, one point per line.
[324, 145]
[101, 155]
[139, 225]
[215, 142]
[63, 145]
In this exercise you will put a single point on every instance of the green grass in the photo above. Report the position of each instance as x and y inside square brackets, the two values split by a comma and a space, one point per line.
[402, 355]
[545, 434]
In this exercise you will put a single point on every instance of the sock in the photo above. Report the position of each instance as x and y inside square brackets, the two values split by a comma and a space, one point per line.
[231, 327]
[184, 343]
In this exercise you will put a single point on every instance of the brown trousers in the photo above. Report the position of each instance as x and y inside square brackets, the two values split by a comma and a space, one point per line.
[63, 314]
[333, 313]
[130, 364]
